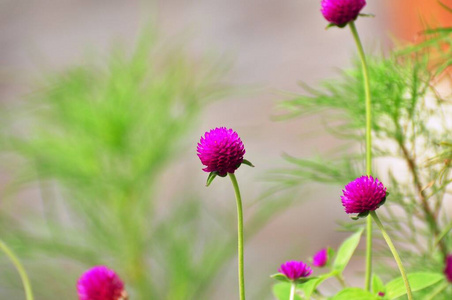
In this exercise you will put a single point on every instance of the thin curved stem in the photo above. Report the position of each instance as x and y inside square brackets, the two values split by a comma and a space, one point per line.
[241, 272]
[20, 269]
[292, 290]
[394, 253]
[368, 146]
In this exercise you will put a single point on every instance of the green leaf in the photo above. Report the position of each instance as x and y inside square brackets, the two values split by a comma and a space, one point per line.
[418, 281]
[303, 280]
[329, 254]
[346, 250]
[354, 294]
[282, 291]
[367, 15]
[310, 286]
[330, 25]
[247, 162]
[211, 177]
[280, 277]
[377, 284]
[361, 215]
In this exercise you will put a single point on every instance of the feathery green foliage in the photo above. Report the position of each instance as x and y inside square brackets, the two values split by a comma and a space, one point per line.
[94, 140]
[410, 127]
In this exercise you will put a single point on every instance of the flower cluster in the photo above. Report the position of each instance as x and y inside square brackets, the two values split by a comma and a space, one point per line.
[320, 259]
[101, 283]
[362, 195]
[448, 268]
[294, 270]
[341, 12]
[221, 151]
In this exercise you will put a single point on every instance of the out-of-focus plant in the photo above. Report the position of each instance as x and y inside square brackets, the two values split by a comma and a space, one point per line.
[94, 140]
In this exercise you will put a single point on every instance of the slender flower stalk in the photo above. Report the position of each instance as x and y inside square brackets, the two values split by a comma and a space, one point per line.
[293, 286]
[394, 253]
[241, 271]
[20, 269]
[368, 146]
[221, 150]
[341, 280]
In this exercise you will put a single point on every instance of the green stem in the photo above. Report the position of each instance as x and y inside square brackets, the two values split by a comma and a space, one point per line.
[240, 235]
[365, 71]
[368, 253]
[443, 233]
[292, 290]
[20, 269]
[341, 280]
[394, 253]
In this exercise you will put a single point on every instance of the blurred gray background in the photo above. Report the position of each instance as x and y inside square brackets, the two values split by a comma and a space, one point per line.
[273, 44]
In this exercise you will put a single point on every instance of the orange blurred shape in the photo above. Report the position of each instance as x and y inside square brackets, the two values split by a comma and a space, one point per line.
[410, 17]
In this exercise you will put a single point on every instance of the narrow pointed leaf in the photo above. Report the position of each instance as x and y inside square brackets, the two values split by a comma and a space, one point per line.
[377, 284]
[280, 277]
[346, 250]
[310, 286]
[211, 177]
[247, 162]
[418, 281]
[367, 15]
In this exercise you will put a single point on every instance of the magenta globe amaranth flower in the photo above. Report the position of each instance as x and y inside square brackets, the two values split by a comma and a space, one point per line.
[340, 12]
[448, 268]
[362, 195]
[320, 258]
[294, 270]
[101, 283]
[221, 151]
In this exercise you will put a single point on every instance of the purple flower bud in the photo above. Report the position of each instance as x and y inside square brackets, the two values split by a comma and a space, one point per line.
[320, 258]
[340, 12]
[101, 283]
[381, 294]
[363, 195]
[448, 268]
[221, 151]
[295, 270]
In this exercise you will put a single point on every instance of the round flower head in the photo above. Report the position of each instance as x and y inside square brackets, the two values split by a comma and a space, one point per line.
[320, 258]
[295, 270]
[362, 195]
[340, 12]
[221, 151]
[448, 268]
[101, 283]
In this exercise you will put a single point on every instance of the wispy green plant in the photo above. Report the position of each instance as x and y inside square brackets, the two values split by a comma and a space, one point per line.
[409, 124]
[94, 140]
